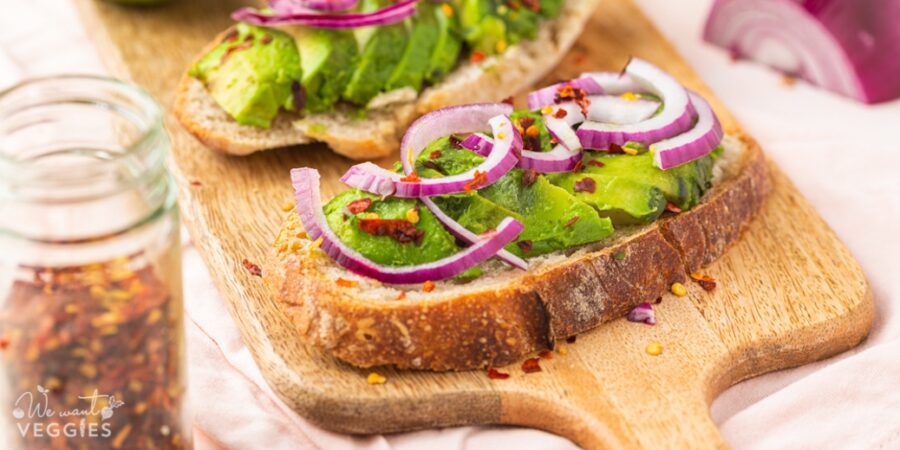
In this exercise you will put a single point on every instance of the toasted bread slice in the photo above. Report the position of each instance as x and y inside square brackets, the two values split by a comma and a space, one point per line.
[508, 313]
[380, 132]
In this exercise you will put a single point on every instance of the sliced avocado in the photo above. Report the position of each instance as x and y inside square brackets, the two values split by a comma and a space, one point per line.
[328, 58]
[382, 49]
[446, 50]
[550, 8]
[624, 200]
[470, 14]
[251, 74]
[416, 59]
[553, 218]
[521, 23]
[436, 242]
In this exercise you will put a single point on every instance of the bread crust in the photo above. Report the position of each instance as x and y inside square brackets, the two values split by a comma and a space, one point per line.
[498, 321]
[379, 134]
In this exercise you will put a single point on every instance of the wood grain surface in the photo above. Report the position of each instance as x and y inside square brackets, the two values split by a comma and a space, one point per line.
[789, 293]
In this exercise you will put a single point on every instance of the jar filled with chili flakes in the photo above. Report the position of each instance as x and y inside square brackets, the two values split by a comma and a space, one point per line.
[92, 351]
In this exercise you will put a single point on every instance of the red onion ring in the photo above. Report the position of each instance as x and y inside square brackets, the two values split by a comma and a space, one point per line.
[560, 159]
[384, 16]
[310, 6]
[562, 132]
[617, 110]
[675, 118]
[309, 208]
[478, 143]
[696, 143]
[547, 96]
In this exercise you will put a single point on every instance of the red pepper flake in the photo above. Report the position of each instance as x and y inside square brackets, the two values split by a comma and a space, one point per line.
[546, 354]
[249, 38]
[529, 177]
[579, 58]
[672, 208]
[615, 149]
[571, 221]
[571, 339]
[231, 36]
[531, 365]
[346, 283]
[413, 177]
[560, 113]
[196, 183]
[707, 282]
[596, 163]
[480, 179]
[252, 268]
[359, 205]
[586, 184]
[658, 301]
[476, 57]
[401, 295]
[402, 231]
[534, 5]
[579, 96]
[435, 154]
[509, 101]
[231, 50]
[4, 343]
[578, 166]
[495, 374]
[267, 39]
[455, 142]
[526, 122]
[428, 286]
[431, 164]
[525, 245]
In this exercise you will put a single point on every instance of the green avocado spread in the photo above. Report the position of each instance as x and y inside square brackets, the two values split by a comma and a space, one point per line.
[559, 211]
[256, 72]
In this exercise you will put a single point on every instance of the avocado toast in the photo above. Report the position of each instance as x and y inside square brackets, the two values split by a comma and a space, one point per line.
[614, 229]
[329, 94]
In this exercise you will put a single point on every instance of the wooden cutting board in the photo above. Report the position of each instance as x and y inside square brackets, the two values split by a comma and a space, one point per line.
[789, 293]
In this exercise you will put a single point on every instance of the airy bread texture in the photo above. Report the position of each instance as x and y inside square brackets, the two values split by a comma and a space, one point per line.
[380, 132]
[507, 313]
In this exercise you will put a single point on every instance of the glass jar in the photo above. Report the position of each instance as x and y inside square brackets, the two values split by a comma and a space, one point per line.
[92, 351]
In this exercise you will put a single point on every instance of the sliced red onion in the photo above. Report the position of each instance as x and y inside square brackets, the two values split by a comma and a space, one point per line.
[617, 110]
[694, 144]
[479, 143]
[562, 132]
[851, 47]
[384, 16]
[615, 83]
[547, 96]
[310, 6]
[675, 118]
[643, 313]
[560, 159]
[309, 207]
[371, 178]
[442, 122]
[574, 115]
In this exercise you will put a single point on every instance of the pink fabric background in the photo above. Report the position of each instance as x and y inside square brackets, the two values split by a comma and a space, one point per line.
[843, 156]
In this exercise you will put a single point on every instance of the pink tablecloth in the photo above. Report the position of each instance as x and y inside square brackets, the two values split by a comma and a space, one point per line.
[845, 158]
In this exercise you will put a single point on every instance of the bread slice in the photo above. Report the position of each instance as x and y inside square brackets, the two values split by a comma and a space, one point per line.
[498, 318]
[380, 132]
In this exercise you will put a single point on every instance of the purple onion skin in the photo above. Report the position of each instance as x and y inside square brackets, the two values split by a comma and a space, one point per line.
[868, 32]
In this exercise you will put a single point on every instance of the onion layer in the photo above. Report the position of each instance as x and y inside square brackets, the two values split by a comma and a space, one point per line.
[309, 6]
[309, 207]
[547, 96]
[384, 16]
[675, 118]
[694, 144]
[617, 110]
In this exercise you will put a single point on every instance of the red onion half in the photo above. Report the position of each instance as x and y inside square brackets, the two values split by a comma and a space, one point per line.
[850, 47]
[675, 118]
[309, 208]
[694, 144]
[384, 16]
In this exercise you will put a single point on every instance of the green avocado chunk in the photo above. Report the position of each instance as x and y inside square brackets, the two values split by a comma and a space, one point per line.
[631, 189]
[521, 23]
[251, 74]
[553, 218]
[382, 50]
[436, 242]
[328, 59]
[446, 50]
[416, 58]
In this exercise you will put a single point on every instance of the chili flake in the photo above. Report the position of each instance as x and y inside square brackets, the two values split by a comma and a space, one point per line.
[413, 177]
[252, 268]
[526, 122]
[480, 179]
[532, 131]
[578, 166]
[455, 142]
[525, 245]
[534, 5]
[571, 221]
[560, 113]
[267, 39]
[707, 282]
[402, 231]
[615, 149]
[476, 57]
[509, 100]
[4, 343]
[596, 163]
[428, 286]
[531, 365]
[529, 177]
[231, 50]
[346, 283]
[401, 295]
[495, 374]
[571, 339]
[436, 154]
[546, 354]
[586, 184]
[359, 205]
[196, 183]
[231, 36]
[672, 208]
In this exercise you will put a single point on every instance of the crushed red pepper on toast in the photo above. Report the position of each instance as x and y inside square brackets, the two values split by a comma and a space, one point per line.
[495, 374]
[707, 282]
[359, 205]
[254, 269]
[531, 365]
